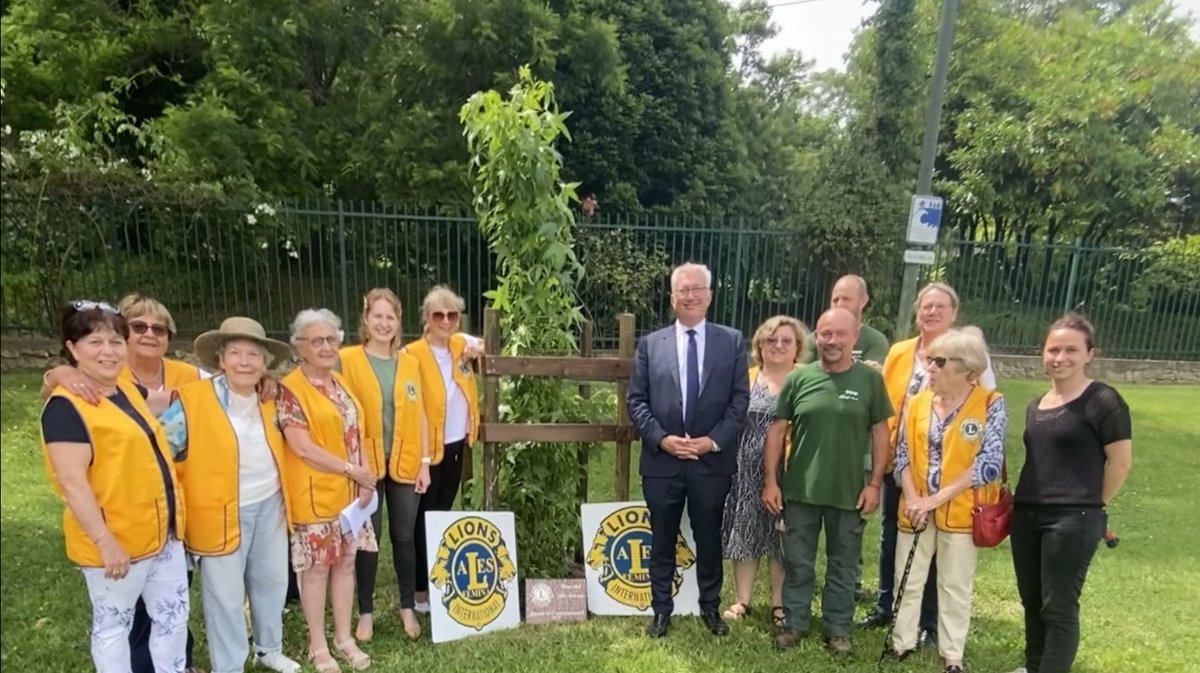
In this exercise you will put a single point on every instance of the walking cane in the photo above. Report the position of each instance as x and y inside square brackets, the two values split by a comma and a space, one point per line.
[887, 639]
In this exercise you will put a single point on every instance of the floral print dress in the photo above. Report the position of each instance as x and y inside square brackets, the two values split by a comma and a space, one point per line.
[324, 543]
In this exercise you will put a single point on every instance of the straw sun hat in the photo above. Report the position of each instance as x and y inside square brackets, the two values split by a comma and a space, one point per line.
[237, 327]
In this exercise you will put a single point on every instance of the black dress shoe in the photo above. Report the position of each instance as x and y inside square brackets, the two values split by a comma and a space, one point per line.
[658, 627]
[876, 620]
[715, 624]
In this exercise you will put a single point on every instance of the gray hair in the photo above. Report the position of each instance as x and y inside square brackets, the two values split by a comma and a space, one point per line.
[966, 346]
[261, 348]
[691, 267]
[311, 316]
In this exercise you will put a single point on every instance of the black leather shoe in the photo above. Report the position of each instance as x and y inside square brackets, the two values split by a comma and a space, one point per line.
[875, 621]
[715, 624]
[658, 627]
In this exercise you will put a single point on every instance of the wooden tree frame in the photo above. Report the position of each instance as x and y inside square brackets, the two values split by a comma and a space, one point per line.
[574, 368]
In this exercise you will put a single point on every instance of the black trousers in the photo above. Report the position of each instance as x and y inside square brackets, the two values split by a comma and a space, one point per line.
[139, 639]
[704, 497]
[1052, 548]
[401, 502]
[444, 480]
[889, 506]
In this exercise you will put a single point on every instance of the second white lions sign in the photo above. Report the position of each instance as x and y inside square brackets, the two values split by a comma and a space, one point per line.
[472, 573]
[616, 541]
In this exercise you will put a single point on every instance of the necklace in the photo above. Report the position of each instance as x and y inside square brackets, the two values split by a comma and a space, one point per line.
[146, 381]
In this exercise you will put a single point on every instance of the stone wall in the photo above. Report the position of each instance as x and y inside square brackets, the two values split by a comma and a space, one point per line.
[35, 354]
[1110, 370]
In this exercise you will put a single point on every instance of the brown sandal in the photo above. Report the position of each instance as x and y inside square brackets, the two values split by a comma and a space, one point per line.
[736, 611]
[779, 616]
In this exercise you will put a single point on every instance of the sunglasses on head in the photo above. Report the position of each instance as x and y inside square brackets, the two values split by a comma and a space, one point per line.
[439, 316]
[87, 305]
[139, 327]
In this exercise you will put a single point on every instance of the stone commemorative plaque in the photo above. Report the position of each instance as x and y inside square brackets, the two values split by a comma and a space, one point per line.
[555, 601]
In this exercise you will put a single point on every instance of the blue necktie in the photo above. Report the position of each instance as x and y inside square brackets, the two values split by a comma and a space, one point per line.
[692, 387]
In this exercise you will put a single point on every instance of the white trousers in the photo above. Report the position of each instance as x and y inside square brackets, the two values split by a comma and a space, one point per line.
[258, 570]
[161, 581]
[956, 556]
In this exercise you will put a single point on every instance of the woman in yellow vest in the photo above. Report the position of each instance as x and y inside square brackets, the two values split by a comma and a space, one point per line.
[905, 375]
[949, 457]
[388, 384]
[748, 531]
[326, 469]
[451, 409]
[230, 460]
[111, 465]
[151, 328]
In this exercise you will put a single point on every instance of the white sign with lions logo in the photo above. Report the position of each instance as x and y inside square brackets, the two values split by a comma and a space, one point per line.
[472, 573]
[616, 537]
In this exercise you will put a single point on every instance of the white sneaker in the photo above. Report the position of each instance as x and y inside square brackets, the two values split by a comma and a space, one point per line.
[422, 608]
[276, 661]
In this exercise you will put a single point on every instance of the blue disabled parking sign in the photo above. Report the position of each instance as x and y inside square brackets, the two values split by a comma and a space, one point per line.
[924, 219]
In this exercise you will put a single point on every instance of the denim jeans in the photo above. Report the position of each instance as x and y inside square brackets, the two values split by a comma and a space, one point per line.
[889, 508]
[1052, 548]
[258, 569]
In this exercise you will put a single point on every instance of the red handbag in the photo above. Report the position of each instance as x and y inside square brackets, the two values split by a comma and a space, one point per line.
[989, 523]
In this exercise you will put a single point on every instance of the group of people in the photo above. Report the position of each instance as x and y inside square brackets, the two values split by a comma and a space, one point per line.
[828, 426]
[164, 467]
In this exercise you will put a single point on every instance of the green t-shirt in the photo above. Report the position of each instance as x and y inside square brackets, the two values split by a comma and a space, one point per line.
[385, 373]
[831, 417]
[871, 345]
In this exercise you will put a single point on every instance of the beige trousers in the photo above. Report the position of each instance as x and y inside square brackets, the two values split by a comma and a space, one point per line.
[956, 555]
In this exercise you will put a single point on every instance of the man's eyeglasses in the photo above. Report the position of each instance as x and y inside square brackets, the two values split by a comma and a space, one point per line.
[690, 291]
[139, 327]
[439, 316]
[86, 305]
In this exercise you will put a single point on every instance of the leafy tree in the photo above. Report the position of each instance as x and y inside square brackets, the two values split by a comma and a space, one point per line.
[524, 212]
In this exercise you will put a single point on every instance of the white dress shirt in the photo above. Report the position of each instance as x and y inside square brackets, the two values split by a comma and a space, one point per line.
[681, 348]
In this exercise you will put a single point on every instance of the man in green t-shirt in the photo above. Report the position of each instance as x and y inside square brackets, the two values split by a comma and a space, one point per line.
[850, 293]
[833, 409]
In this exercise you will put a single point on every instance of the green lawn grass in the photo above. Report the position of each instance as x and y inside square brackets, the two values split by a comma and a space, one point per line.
[1136, 605]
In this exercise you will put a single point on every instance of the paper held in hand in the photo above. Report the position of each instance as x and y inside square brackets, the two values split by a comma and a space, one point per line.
[354, 517]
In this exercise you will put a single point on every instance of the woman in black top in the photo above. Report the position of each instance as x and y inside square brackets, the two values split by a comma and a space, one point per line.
[1077, 455]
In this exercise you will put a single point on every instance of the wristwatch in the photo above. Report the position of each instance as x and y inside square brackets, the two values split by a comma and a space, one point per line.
[716, 448]
[346, 470]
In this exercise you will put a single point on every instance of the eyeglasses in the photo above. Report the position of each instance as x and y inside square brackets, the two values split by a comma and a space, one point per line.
[439, 316]
[86, 305]
[940, 361]
[139, 327]
[690, 291]
[780, 341]
[317, 342]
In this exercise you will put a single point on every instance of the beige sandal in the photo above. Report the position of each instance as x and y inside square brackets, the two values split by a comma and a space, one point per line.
[366, 634]
[413, 632]
[327, 666]
[356, 659]
[736, 611]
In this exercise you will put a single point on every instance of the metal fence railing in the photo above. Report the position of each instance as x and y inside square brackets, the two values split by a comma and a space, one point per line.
[267, 262]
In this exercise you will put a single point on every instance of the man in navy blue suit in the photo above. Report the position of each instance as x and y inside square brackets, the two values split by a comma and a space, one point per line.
[688, 395]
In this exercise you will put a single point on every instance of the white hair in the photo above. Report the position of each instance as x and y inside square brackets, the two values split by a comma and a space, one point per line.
[312, 316]
[261, 348]
[691, 267]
